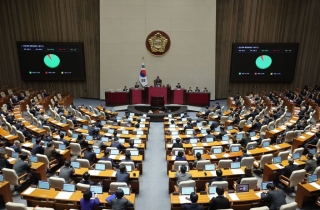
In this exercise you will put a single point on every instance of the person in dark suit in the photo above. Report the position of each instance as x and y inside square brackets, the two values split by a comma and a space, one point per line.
[290, 168]
[275, 198]
[25, 132]
[125, 89]
[158, 81]
[86, 179]
[50, 152]
[265, 120]
[3, 112]
[244, 154]
[218, 178]
[197, 90]
[80, 140]
[180, 156]
[214, 125]
[14, 100]
[4, 163]
[209, 135]
[185, 115]
[193, 205]
[222, 133]
[116, 144]
[45, 94]
[189, 90]
[21, 96]
[177, 144]
[198, 156]
[217, 106]
[236, 120]
[188, 126]
[65, 142]
[16, 146]
[22, 166]
[87, 202]
[131, 144]
[37, 148]
[205, 90]
[136, 85]
[219, 202]
[122, 175]
[107, 158]
[245, 140]
[256, 126]
[178, 86]
[311, 164]
[120, 202]
[90, 155]
[182, 175]
[128, 157]
[98, 124]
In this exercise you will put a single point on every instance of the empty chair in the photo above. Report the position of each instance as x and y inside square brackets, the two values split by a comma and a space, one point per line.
[295, 178]
[317, 171]
[56, 182]
[107, 163]
[75, 149]
[83, 187]
[47, 163]
[176, 164]
[223, 184]
[289, 137]
[84, 163]
[224, 163]
[247, 162]
[252, 181]
[267, 158]
[284, 155]
[17, 206]
[189, 183]
[114, 186]
[201, 164]
[289, 206]
[11, 176]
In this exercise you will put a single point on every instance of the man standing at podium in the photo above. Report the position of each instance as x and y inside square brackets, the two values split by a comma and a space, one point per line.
[158, 82]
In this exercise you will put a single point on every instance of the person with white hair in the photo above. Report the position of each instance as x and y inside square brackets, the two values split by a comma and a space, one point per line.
[16, 146]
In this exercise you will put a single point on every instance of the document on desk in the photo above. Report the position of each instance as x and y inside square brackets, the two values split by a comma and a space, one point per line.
[212, 196]
[122, 157]
[277, 147]
[11, 159]
[112, 156]
[283, 127]
[259, 194]
[8, 136]
[29, 126]
[138, 136]
[194, 145]
[233, 196]
[28, 191]
[204, 144]
[314, 184]
[173, 157]
[64, 195]
[27, 144]
[183, 199]
[237, 171]
[226, 155]
[254, 138]
[295, 163]
[213, 157]
[59, 123]
[189, 136]
[213, 173]
[268, 148]
[302, 137]
[310, 133]
[169, 145]
[94, 172]
[278, 166]
[248, 152]
[114, 173]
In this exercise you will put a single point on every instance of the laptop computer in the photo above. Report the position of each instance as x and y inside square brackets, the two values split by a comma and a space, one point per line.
[75, 164]
[199, 124]
[217, 150]
[217, 129]
[129, 168]
[134, 152]
[104, 139]
[235, 149]
[203, 131]
[97, 189]
[189, 132]
[103, 122]
[313, 151]
[186, 167]
[230, 118]
[89, 138]
[312, 178]
[252, 134]
[34, 140]
[225, 138]
[125, 132]
[114, 152]
[242, 188]
[75, 135]
[187, 190]
[252, 146]
[296, 156]
[62, 146]
[97, 150]
[174, 133]
[198, 150]
[33, 159]
[45, 185]
[126, 190]
[271, 127]
[209, 139]
[210, 122]
[212, 190]
[235, 165]
[69, 187]
[100, 167]
[1, 178]
[248, 122]
[277, 160]
[110, 131]
[122, 141]
[230, 127]
[85, 127]
[266, 144]
[264, 185]
[84, 117]
[177, 151]
[239, 136]
[64, 121]
[141, 133]
[15, 155]
[193, 141]
[209, 167]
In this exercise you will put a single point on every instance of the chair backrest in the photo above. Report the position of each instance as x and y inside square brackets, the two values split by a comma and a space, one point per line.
[223, 184]
[177, 149]
[289, 206]
[75, 149]
[284, 155]
[176, 164]
[260, 208]
[189, 183]
[242, 123]
[224, 163]
[298, 150]
[234, 145]
[223, 119]
[317, 171]
[263, 129]
[107, 163]
[10, 176]
[267, 158]
[114, 186]
[70, 123]
[84, 163]
[128, 164]
[43, 159]
[250, 144]
[289, 136]
[21, 137]
[9, 151]
[252, 181]
[56, 182]
[47, 129]
[83, 187]
[247, 162]
[265, 140]
[15, 206]
[24, 151]
[201, 164]
[56, 143]
[296, 177]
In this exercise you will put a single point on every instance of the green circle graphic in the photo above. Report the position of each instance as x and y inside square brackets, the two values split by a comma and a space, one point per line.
[51, 60]
[263, 61]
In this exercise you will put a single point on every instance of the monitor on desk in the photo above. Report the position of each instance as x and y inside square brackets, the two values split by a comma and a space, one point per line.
[110, 131]
[184, 119]
[33, 159]
[189, 132]
[212, 189]
[114, 152]
[264, 185]
[118, 118]
[217, 129]
[235, 165]
[100, 167]
[252, 146]
[252, 134]
[121, 140]
[248, 122]
[103, 122]
[296, 156]
[210, 122]
[34, 139]
[266, 144]
[40, 126]
[239, 136]
[312, 178]
[177, 151]
[193, 141]
[169, 115]
[126, 132]
[209, 167]
[277, 160]
[15, 155]
[271, 127]
[96, 150]
[13, 132]
[137, 141]
[57, 118]
[84, 117]
[235, 149]
[139, 132]
[45, 185]
[129, 168]
[131, 114]
[242, 188]
[203, 131]
[230, 117]
[75, 164]
[62, 146]
[187, 190]
[104, 139]
[217, 150]
[64, 121]
[75, 135]
[85, 127]
[230, 127]
[199, 124]
[171, 126]
[198, 150]
[174, 133]
[1, 178]
[209, 139]
[187, 167]
[313, 151]
[69, 187]
[64, 133]
[134, 152]
[89, 138]
[126, 190]
[225, 138]
[97, 189]
[45, 143]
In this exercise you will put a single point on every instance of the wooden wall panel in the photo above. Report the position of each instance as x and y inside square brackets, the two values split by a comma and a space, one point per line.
[50, 20]
[272, 21]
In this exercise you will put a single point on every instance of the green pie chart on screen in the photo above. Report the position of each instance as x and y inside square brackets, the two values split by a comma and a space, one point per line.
[51, 60]
[263, 61]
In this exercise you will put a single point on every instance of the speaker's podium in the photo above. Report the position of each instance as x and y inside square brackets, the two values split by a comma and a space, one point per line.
[157, 101]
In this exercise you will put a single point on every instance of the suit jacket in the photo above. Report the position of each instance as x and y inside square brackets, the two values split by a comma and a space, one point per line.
[66, 173]
[311, 166]
[183, 158]
[191, 206]
[120, 204]
[276, 198]
[50, 152]
[214, 125]
[256, 126]
[122, 176]
[21, 167]
[289, 169]
[16, 149]
[222, 134]
[245, 141]
[209, 136]
[108, 159]
[91, 156]
[37, 149]
[182, 177]
[220, 202]
[177, 145]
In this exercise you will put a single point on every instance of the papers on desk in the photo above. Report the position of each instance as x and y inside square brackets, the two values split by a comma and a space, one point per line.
[11, 159]
[248, 152]
[213, 157]
[258, 194]
[172, 129]
[212, 196]
[292, 121]
[183, 199]
[173, 157]
[237, 171]
[314, 184]
[295, 163]
[114, 173]
[34, 129]
[61, 151]
[302, 137]
[194, 145]
[277, 147]
[59, 123]
[112, 156]
[29, 126]
[8, 136]
[64, 195]
[189, 136]
[233, 196]
[94, 172]
[226, 155]
[204, 144]
[283, 127]
[254, 138]
[29, 190]
[278, 166]
[213, 173]
[122, 157]
[268, 148]
[310, 133]
[138, 136]
[169, 145]
[27, 144]
[108, 134]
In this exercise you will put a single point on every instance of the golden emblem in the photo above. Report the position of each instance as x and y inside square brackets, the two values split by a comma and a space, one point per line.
[158, 43]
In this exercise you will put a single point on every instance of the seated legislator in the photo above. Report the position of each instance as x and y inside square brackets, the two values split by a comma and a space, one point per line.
[245, 140]
[189, 90]
[25, 132]
[219, 202]
[275, 198]
[219, 177]
[136, 85]
[122, 175]
[193, 205]
[50, 152]
[66, 171]
[86, 179]
[22, 165]
[244, 154]
[16, 146]
[158, 82]
[116, 144]
[209, 135]
[4, 163]
[177, 144]
[120, 202]
[178, 86]
[198, 156]
[222, 133]
[311, 164]
[197, 90]
[90, 155]
[87, 202]
[236, 120]
[180, 156]
[125, 89]
[107, 158]
[65, 142]
[128, 157]
[80, 140]
[131, 144]
[182, 175]
[205, 90]
[256, 126]
[37, 148]
[214, 125]
[188, 126]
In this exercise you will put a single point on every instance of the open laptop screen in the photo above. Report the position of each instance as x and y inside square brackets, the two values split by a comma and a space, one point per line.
[210, 167]
[312, 178]
[235, 165]
[264, 185]
[187, 190]
[44, 185]
[126, 190]
[69, 187]
[242, 188]
[277, 160]
[212, 189]
[96, 189]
